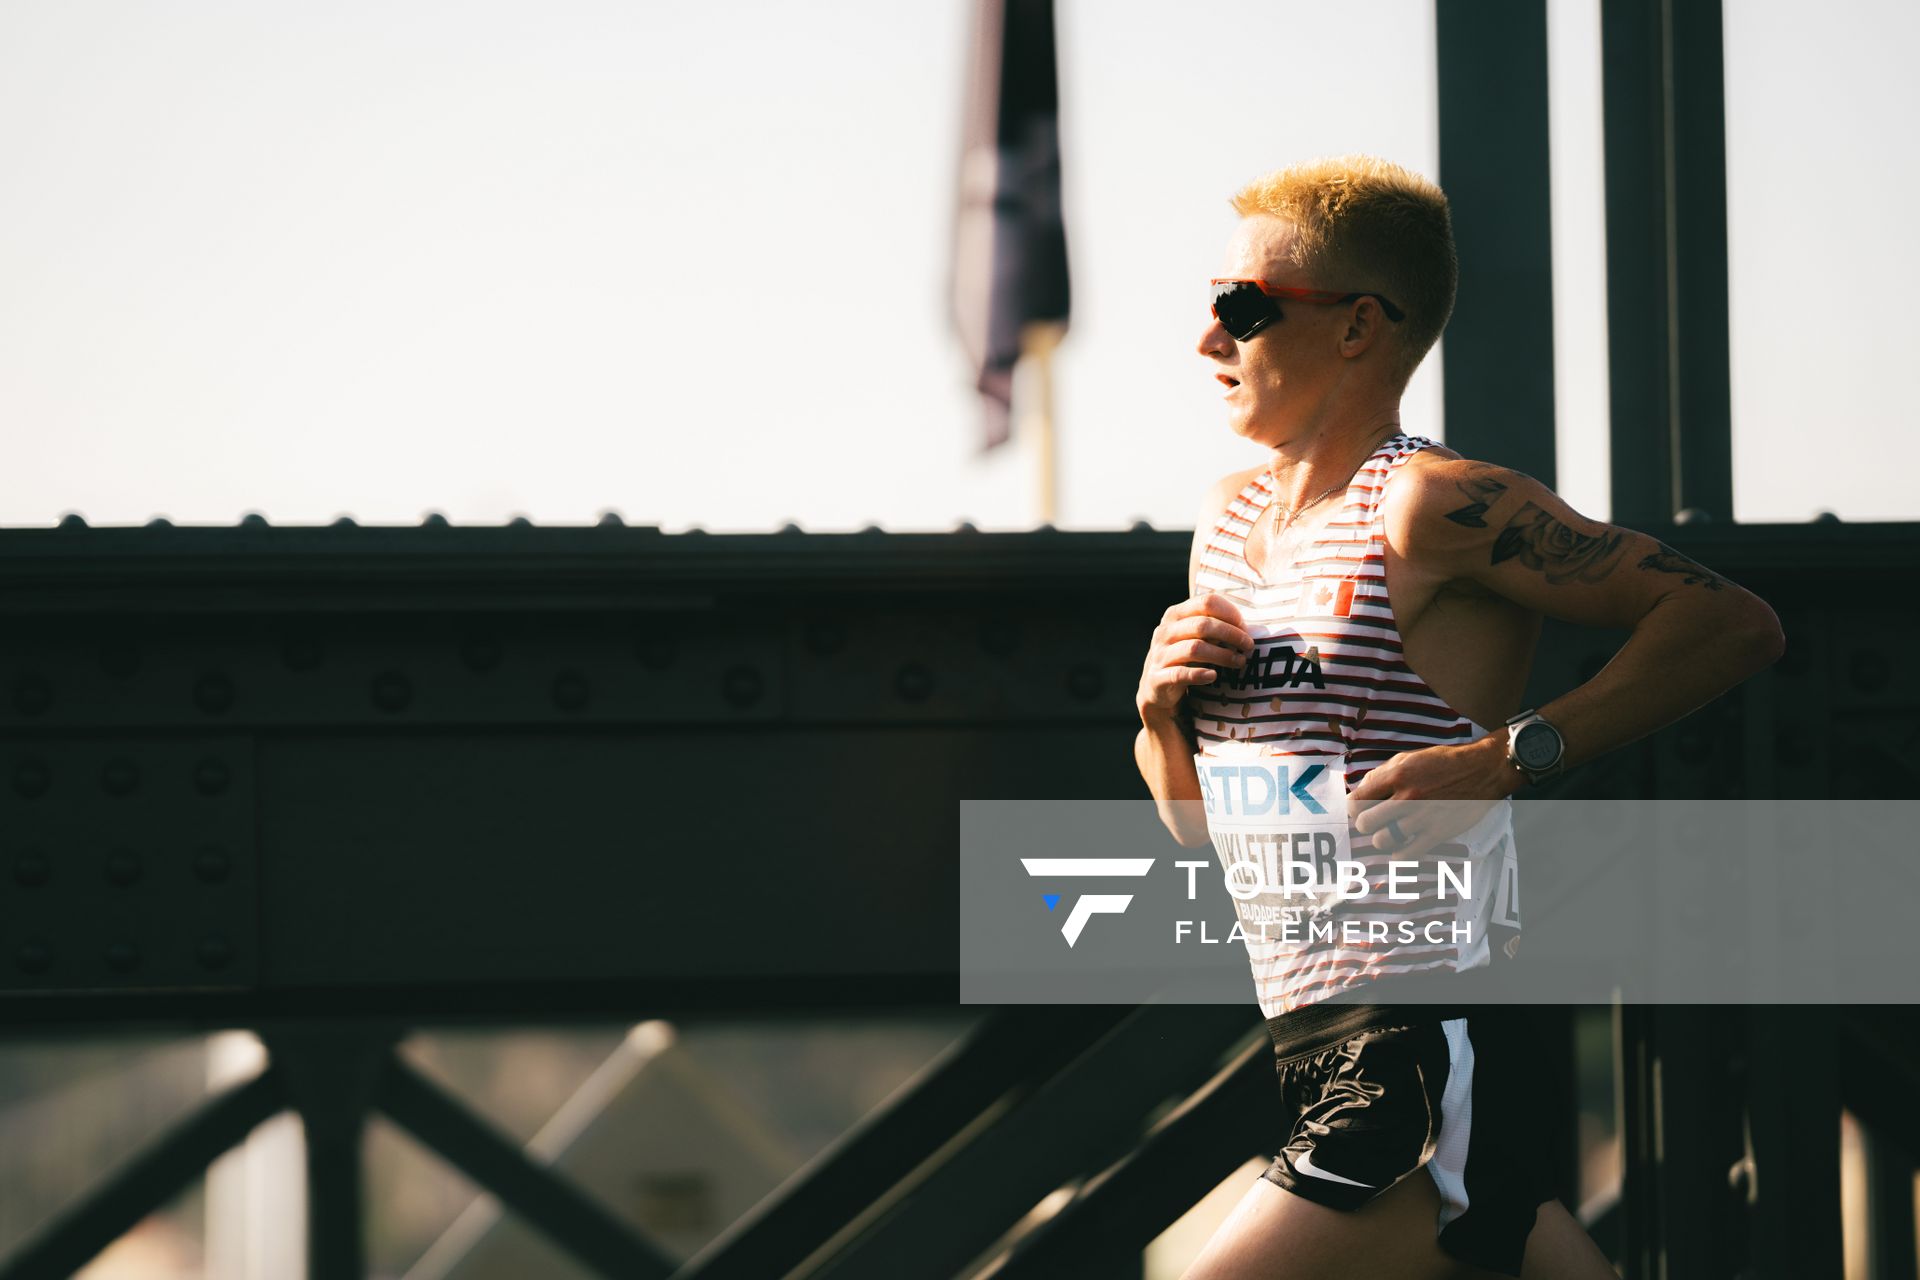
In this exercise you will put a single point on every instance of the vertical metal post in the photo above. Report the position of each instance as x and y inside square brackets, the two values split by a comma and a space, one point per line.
[336, 1231]
[1633, 1105]
[1498, 349]
[1793, 1112]
[1890, 1243]
[1560, 1089]
[1703, 350]
[331, 1077]
[1665, 120]
[1681, 1141]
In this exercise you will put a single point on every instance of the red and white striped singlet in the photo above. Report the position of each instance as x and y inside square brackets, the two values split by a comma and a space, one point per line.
[1329, 675]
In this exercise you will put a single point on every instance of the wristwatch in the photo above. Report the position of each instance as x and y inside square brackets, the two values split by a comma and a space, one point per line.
[1534, 746]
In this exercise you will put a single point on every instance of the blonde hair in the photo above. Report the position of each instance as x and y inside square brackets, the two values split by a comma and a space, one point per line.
[1362, 223]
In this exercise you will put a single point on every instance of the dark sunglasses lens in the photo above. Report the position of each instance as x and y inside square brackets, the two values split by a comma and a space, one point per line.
[1243, 310]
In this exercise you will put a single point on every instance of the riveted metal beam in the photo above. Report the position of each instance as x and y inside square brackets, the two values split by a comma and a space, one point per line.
[390, 801]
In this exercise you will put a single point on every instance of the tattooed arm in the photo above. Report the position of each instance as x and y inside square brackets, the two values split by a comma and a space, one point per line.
[1695, 634]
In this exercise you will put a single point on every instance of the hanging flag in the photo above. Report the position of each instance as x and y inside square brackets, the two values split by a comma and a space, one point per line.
[1010, 245]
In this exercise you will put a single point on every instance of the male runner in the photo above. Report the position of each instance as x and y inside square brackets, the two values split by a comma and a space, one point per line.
[1416, 579]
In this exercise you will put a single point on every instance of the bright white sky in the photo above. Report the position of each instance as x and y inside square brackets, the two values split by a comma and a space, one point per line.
[689, 262]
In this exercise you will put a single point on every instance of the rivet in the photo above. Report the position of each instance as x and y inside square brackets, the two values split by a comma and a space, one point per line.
[391, 692]
[119, 659]
[119, 776]
[999, 637]
[214, 952]
[913, 682]
[213, 692]
[301, 653]
[1868, 670]
[1084, 681]
[211, 865]
[1695, 743]
[31, 779]
[1790, 747]
[31, 695]
[123, 867]
[210, 776]
[480, 653]
[30, 870]
[824, 637]
[657, 651]
[34, 955]
[122, 955]
[742, 686]
[569, 690]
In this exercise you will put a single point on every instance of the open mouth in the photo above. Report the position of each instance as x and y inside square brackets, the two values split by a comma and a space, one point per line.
[1224, 380]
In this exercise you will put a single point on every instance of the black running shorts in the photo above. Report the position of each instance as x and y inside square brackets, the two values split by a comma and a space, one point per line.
[1375, 1093]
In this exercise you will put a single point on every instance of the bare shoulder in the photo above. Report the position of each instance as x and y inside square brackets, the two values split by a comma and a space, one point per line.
[1463, 521]
[1212, 507]
[1438, 468]
[1443, 502]
[1223, 492]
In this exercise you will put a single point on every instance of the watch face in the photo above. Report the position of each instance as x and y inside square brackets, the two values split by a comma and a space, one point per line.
[1537, 746]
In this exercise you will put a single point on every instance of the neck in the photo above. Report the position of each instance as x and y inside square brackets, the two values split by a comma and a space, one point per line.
[1306, 467]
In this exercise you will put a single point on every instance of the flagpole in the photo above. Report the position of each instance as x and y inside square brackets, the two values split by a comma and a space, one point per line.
[1038, 338]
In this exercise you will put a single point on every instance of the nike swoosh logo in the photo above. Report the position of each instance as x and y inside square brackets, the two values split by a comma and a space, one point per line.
[1303, 1163]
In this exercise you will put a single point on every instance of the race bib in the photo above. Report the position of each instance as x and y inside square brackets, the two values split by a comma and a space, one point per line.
[1279, 827]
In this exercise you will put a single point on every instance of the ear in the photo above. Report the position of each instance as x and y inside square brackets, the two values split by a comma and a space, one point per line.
[1362, 329]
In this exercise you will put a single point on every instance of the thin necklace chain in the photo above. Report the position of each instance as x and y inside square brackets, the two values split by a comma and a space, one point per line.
[1294, 511]
[1279, 528]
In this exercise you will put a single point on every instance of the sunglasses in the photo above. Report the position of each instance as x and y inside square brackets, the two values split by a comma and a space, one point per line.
[1245, 307]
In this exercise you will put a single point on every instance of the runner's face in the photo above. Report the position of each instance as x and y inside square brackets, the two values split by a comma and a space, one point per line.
[1274, 380]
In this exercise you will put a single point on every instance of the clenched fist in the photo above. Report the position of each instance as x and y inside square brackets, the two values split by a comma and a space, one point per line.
[1194, 639]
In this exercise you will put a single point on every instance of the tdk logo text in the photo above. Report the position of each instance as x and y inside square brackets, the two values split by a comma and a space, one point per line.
[1087, 904]
[1250, 791]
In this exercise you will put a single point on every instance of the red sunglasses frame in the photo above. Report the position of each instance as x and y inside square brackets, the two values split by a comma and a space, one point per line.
[1306, 295]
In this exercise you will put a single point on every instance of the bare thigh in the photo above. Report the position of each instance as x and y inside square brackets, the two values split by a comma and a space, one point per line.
[1558, 1248]
[1275, 1235]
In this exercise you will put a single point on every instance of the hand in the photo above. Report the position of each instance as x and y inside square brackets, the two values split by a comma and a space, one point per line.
[1416, 801]
[1203, 629]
